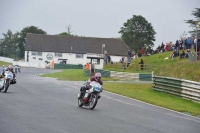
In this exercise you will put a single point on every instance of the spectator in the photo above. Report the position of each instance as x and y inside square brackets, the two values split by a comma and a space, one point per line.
[174, 54]
[171, 46]
[162, 47]
[195, 44]
[123, 61]
[142, 51]
[177, 46]
[87, 66]
[182, 55]
[186, 54]
[129, 57]
[108, 59]
[105, 59]
[188, 43]
[198, 49]
[52, 64]
[135, 56]
[142, 64]
[181, 44]
[167, 47]
[159, 48]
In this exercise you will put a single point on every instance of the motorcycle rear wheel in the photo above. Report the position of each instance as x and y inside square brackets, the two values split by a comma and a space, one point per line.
[93, 101]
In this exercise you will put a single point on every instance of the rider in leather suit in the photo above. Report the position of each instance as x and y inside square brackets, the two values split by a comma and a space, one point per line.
[97, 78]
[9, 68]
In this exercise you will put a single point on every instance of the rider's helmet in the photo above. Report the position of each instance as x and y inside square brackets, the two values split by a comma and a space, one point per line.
[10, 67]
[97, 76]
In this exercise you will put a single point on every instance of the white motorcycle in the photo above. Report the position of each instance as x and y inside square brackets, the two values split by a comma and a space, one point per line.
[92, 95]
[5, 81]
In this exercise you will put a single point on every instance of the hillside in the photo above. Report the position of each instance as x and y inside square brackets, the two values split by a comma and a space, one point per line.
[183, 69]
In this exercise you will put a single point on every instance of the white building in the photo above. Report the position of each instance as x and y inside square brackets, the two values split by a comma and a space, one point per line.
[40, 49]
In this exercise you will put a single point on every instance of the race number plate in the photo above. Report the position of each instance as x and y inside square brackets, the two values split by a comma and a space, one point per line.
[9, 76]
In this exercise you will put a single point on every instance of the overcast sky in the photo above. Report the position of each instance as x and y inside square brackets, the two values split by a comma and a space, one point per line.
[97, 18]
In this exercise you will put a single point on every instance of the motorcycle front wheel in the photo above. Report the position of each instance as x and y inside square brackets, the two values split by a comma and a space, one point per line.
[93, 101]
[6, 85]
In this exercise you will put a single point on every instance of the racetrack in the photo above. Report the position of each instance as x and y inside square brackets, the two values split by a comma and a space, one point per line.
[46, 105]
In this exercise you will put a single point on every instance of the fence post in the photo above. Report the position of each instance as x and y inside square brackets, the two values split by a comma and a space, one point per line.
[152, 75]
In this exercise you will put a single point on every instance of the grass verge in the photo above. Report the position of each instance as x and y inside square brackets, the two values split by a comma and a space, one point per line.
[144, 92]
[73, 75]
[4, 63]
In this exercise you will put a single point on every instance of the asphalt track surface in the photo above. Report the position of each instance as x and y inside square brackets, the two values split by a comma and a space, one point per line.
[46, 105]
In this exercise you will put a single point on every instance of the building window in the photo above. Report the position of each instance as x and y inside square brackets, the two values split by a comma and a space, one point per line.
[79, 55]
[39, 53]
[58, 54]
[36, 53]
[33, 53]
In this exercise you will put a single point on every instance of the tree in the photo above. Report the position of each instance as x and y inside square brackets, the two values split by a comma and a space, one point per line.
[69, 29]
[136, 32]
[193, 23]
[68, 33]
[64, 34]
[9, 44]
[22, 38]
[183, 36]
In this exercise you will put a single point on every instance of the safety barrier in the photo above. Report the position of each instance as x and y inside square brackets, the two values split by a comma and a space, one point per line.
[122, 75]
[180, 87]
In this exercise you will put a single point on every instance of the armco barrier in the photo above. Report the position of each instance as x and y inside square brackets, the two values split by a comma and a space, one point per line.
[184, 88]
[145, 77]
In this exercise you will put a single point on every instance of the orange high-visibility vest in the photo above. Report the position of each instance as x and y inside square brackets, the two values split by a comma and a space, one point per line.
[87, 66]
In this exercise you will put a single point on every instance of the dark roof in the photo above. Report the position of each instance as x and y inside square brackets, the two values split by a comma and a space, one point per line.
[82, 45]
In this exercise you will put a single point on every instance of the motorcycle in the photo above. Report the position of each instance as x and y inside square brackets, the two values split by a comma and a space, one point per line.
[17, 68]
[92, 95]
[6, 81]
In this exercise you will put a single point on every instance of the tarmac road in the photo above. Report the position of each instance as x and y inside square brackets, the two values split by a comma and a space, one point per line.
[46, 105]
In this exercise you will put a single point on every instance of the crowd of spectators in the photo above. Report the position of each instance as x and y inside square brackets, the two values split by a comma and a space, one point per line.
[184, 45]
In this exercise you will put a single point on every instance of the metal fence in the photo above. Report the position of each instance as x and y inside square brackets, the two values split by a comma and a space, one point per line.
[184, 88]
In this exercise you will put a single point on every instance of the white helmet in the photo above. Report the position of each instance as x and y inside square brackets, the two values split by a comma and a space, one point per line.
[97, 76]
